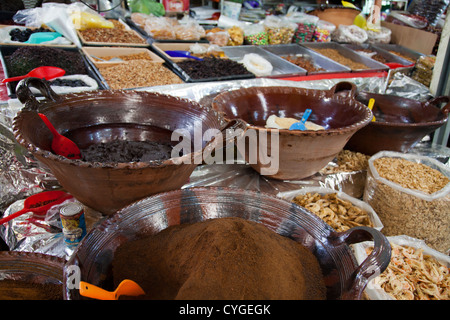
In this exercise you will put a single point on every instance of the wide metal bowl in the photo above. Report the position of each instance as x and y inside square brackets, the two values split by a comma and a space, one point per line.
[400, 123]
[344, 279]
[107, 115]
[293, 154]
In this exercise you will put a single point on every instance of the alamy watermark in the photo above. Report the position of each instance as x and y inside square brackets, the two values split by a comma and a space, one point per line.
[254, 146]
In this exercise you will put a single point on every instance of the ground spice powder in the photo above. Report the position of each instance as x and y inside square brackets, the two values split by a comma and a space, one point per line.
[223, 258]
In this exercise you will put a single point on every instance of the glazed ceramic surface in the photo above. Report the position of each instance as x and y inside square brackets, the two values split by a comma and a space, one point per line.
[30, 268]
[103, 116]
[400, 123]
[300, 154]
[344, 279]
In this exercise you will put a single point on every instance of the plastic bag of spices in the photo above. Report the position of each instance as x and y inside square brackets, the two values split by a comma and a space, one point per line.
[349, 34]
[255, 34]
[411, 195]
[323, 31]
[408, 276]
[306, 25]
[279, 30]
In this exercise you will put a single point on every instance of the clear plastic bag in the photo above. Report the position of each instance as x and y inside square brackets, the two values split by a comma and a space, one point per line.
[57, 16]
[381, 36]
[255, 34]
[408, 210]
[373, 217]
[373, 290]
[306, 25]
[349, 34]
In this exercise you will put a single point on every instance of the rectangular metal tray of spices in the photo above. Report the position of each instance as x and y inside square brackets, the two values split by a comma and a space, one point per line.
[119, 36]
[111, 56]
[315, 63]
[356, 62]
[378, 54]
[199, 71]
[281, 67]
[401, 51]
[90, 70]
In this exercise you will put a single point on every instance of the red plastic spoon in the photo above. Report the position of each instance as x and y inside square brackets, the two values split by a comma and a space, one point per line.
[39, 203]
[45, 72]
[61, 145]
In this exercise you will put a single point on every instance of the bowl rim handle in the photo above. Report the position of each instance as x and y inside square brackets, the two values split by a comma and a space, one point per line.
[376, 262]
[26, 96]
[342, 87]
[437, 101]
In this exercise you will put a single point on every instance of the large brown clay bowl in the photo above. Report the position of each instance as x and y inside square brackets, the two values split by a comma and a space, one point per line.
[344, 279]
[400, 123]
[30, 276]
[337, 15]
[105, 115]
[293, 154]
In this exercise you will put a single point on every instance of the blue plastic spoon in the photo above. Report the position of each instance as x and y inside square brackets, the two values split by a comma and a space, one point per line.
[182, 54]
[301, 124]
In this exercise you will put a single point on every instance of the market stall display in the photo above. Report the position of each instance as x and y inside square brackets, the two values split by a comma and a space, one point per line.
[134, 180]
[19, 60]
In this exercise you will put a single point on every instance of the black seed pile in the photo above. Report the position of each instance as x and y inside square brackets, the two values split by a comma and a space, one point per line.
[25, 59]
[68, 83]
[23, 35]
[212, 67]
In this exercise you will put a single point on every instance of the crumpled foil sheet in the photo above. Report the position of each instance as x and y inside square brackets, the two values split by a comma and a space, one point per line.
[21, 175]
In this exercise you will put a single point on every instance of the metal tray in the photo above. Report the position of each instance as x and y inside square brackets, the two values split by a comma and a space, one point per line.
[400, 49]
[319, 60]
[91, 69]
[390, 57]
[371, 64]
[281, 67]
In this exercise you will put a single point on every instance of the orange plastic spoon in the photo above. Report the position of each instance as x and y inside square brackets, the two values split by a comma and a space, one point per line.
[125, 288]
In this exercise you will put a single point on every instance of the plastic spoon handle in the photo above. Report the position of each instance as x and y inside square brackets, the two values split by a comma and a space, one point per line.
[126, 287]
[370, 105]
[306, 115]
[36, 209]
[15, 215]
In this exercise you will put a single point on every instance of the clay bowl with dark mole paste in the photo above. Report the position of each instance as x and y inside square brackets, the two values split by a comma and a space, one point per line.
[104, 116]
[293, 154]
[400, 123]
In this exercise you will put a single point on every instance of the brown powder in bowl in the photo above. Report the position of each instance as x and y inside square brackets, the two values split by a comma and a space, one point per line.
[223, 258]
